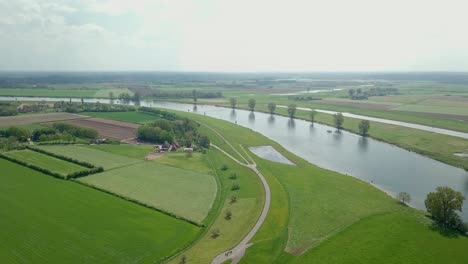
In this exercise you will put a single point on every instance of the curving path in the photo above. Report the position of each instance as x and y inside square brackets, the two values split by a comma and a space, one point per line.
[236, 253]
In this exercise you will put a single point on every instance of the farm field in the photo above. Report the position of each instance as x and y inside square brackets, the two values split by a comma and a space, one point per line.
[56, 221]
[36, 118]
[185, 193]
[108, 128]
[94, 156]
[44, 161]
[132, 117]
[63, 91]
[127, 150]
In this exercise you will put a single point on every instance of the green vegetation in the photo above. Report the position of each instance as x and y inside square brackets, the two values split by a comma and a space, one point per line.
[97, 157]
[131, 151]
[442, 205]
[184, 193]
[132, 117]
[44, 161]
[60, 92]
[43, 213]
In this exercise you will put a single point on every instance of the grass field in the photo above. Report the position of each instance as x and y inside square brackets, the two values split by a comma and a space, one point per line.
[96, 157]
[45, 161]
[131, 151]
[313, 207]
[244, 212]
[184, 193]
[132, 117]
[198, 162]
[47, 220]
[434, 109]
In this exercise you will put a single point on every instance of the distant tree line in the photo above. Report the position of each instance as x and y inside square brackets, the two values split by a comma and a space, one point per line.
[359, 94]
[171, 94]
[8, 108]
[74, 107]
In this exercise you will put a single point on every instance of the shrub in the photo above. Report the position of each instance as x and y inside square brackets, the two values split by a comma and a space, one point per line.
[235, 186]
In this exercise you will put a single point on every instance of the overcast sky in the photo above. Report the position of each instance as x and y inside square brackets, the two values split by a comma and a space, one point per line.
[234, 35]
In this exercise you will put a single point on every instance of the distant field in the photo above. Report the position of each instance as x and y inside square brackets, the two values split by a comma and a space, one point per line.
[96, 157]
[62, 92]
[132, 117]
[36, 118]
[434, 109]
[46, 220]
[45, 161]
[185, 193]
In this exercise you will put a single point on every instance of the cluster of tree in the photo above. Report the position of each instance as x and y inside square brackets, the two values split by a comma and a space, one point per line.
[165, 94]
[34, 107]
[303, 98]
[183, 131]
[359, 94]
[161, 113]
[73, 107]
[8, 109]
[17, 133]
[76, 131]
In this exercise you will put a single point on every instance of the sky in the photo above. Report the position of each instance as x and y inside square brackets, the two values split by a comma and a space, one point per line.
[233, 35]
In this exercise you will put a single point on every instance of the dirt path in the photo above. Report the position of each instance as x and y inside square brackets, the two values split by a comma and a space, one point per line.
[238, 251]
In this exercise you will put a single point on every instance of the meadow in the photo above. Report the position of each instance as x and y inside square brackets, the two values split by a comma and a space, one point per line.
[131, 151]
[56, 221]
[184, 193]
[62, 91]
[96, 157]
[45, 161]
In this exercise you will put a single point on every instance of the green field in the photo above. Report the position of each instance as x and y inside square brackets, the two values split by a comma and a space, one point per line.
[434, 109]
[321, 206]
[131, 151]
[46, 220]
[184, 193]
[96, 157]
[45, 161]
[132, 117]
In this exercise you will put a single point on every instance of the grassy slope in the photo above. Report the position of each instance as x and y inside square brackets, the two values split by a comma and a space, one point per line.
[185, 193]
[45, 161]
[100, 158]
[56, 221]
[132, 117]
[65, 91]
[323, 205]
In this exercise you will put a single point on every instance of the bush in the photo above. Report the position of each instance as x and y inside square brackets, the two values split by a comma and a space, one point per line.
[235, 186]
[233, 176]
[224, 167]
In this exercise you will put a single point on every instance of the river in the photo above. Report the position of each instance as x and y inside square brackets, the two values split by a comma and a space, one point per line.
[389, 168]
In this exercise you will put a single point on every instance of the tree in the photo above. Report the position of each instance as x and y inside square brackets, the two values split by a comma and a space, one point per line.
[215, 233]
[228, 215]
[235, 186]
[359, 91]
[82, 101]
[351, 93]
[137, 97]
[224, 167]
[195, 96]
[233, 199]
[233, 176]
[271, 107]
[183, 259]
[404, 197]
[292, 110]
[312, 115]
[204, 142]
[364, 127]
[111, 97]
[339, 120]
[443, 204]
[252, 103]
[233, 102]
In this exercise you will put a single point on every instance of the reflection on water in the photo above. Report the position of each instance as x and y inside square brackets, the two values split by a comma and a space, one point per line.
[271, 120]
[252, 118]
[291, 125]
[363, 144]
[195, 108]
[311, 129]
[233, 116]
